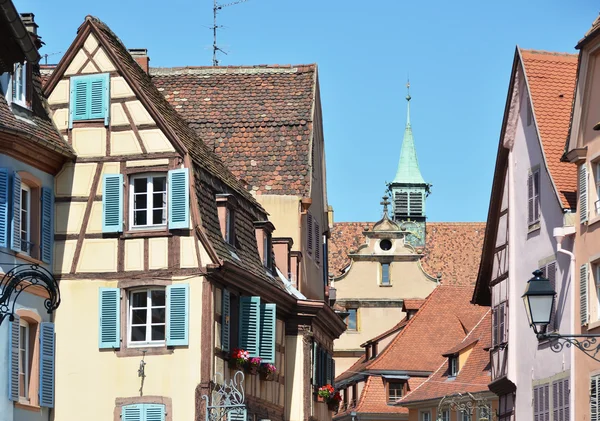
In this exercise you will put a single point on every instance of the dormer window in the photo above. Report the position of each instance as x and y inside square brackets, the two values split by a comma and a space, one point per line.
[226, 204]
[263, 231]
[395, 391]
[19, 84]
[89, 98]
[453, 366]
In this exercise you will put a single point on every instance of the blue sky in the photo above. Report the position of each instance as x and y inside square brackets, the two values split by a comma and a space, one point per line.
[458, 54]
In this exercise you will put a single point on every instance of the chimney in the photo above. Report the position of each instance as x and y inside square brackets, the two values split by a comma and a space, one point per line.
[140, 55]
[31, 27]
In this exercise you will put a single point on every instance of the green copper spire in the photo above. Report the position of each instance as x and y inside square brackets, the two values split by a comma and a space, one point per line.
[408, 167]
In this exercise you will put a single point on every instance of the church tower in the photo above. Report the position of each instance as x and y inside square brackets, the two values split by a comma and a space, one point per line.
[409, 189]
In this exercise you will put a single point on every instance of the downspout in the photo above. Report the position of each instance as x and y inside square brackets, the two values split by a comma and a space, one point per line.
[559, 234]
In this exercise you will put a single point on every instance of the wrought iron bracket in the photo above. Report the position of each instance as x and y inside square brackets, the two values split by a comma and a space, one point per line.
[467, 402]
[584, 342]
[21, 277]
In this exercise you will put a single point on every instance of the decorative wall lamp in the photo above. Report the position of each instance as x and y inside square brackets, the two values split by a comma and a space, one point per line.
[21, 277]
[539, 301]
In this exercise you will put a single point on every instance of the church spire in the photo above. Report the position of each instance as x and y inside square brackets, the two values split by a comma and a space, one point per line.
[408, 167]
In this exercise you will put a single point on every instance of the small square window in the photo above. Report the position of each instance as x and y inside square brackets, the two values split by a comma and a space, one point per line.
[148, 201]
[351, 320]
[395, 391]
[147, 317]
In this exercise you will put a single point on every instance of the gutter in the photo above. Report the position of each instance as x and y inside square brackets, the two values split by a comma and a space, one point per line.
[22, 36]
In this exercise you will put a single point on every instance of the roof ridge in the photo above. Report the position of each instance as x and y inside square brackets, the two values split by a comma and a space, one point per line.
[233, 70]
[548, 53]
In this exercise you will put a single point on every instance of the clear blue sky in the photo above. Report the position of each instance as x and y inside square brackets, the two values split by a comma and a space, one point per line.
[458, 54]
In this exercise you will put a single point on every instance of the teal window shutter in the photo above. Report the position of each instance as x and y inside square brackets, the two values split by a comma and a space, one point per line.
[225, 320]
[47, 224]
[112, 203]
[179, 198]
[237, 414]
[249, 327]
[4, 209]
[329, 380]
[110, 318]
[154, 412]
[268, 326]
[16, 213]
[13, 371]
[315, 357]
[132, 413]
[177, 314]
[47, 347]
[89, 98]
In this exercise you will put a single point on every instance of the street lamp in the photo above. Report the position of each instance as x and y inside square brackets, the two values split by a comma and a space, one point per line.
[539, 303]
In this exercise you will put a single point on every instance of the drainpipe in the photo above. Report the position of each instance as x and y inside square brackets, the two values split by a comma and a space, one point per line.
[559, 234]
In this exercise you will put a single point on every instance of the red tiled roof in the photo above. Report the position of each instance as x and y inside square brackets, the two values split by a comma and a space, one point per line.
[593, 31]
[453, 249]
[473, 377]
[551, 78]
[413, 303]
[440, 323]
[258, 118]
[388, 332]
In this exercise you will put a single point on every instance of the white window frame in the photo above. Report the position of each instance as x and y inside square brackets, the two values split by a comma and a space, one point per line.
[464, 415]
[148, 341]
[355, 320]
[149, 202]
[25, 219]
[24, 359]
[453, 366]
[424, 415]
[445, 415]
[597, 202]
[19, 84]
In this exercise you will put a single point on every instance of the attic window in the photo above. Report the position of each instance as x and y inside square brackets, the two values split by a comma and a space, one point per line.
[264, 233]
[453, 366]
[20, 84]
[395, 391]
[385, 245]
[226, 204]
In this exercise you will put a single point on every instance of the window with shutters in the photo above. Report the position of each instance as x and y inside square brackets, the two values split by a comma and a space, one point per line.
[318, 242]
[148, 200]
[583, 193]
[395, 391]
[143, 412]
[500, 324]
[595, 398]
[597, 189]
[560, 400]
[309, 234]
[385, 274]
[147, 317]
[596, 268]
[352, 319]
[583, 294]
[89, 98]
[541, 403]
[24, 362]
[549, 271]
[533, 198]
[257, 328]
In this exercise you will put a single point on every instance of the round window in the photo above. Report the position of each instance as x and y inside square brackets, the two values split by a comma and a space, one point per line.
[385, 245]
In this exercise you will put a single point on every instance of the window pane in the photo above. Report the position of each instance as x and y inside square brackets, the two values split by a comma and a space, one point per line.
[140, 185]
[140, 201]
[138, 317]
[139, 299]
[352, 319]
[158, 333]
[158, 298]
[140, 217]
[138, 333]
[158, 216]
[159, 184]
[158, 200]
[158, 315]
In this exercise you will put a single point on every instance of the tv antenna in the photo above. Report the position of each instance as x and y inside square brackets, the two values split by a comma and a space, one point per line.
[216, 8]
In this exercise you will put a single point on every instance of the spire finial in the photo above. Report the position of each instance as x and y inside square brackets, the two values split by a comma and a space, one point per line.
[408, 97]
[385, 204]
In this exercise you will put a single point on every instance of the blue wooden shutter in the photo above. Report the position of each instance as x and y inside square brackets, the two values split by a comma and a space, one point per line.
[132, 413]
[225, 320]
[329, 371]
[154, 412]
[13, 370]
[4, 209]
[16, 213]
[177, 314]
[47, 224]
[110, 318]
[112, 203]
[237, 414]
[268, 327]
[314, 362]
[79, 109]
[179, 199]
[98, 94]
[249, 327]
[47, 365]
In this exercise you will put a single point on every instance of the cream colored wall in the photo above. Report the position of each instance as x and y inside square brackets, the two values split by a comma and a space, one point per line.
[294, 381]
[371, 322]
[83, 371]
[464, 355]
[343, 363]
[284, 213]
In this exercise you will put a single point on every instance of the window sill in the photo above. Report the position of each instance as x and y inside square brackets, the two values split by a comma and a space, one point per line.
[27, 406]
[533, 228]
[146, 234]
[385, 285]
[137, 352]
[594, 220]
[593, 325]
[29, 259]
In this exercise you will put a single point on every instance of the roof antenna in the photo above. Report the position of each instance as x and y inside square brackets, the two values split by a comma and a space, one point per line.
[216, 8]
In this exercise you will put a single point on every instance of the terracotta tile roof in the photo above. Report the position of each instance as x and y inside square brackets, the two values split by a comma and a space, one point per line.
[413, 303]
[473, 377]
[210, 174]
[592, 32]
[453, 249]
[258, 118]
[551, 78]
[356, 368]
[442, 321]
[388, 332]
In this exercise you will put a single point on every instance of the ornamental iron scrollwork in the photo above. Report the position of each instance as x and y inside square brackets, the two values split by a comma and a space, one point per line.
[226, 399]
[474, 404]
[21, 277]
[586, 343]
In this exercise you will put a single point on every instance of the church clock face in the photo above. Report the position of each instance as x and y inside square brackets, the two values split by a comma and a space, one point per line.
[415, 233]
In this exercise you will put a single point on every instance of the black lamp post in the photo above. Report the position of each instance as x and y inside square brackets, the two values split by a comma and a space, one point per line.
[539, 303]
